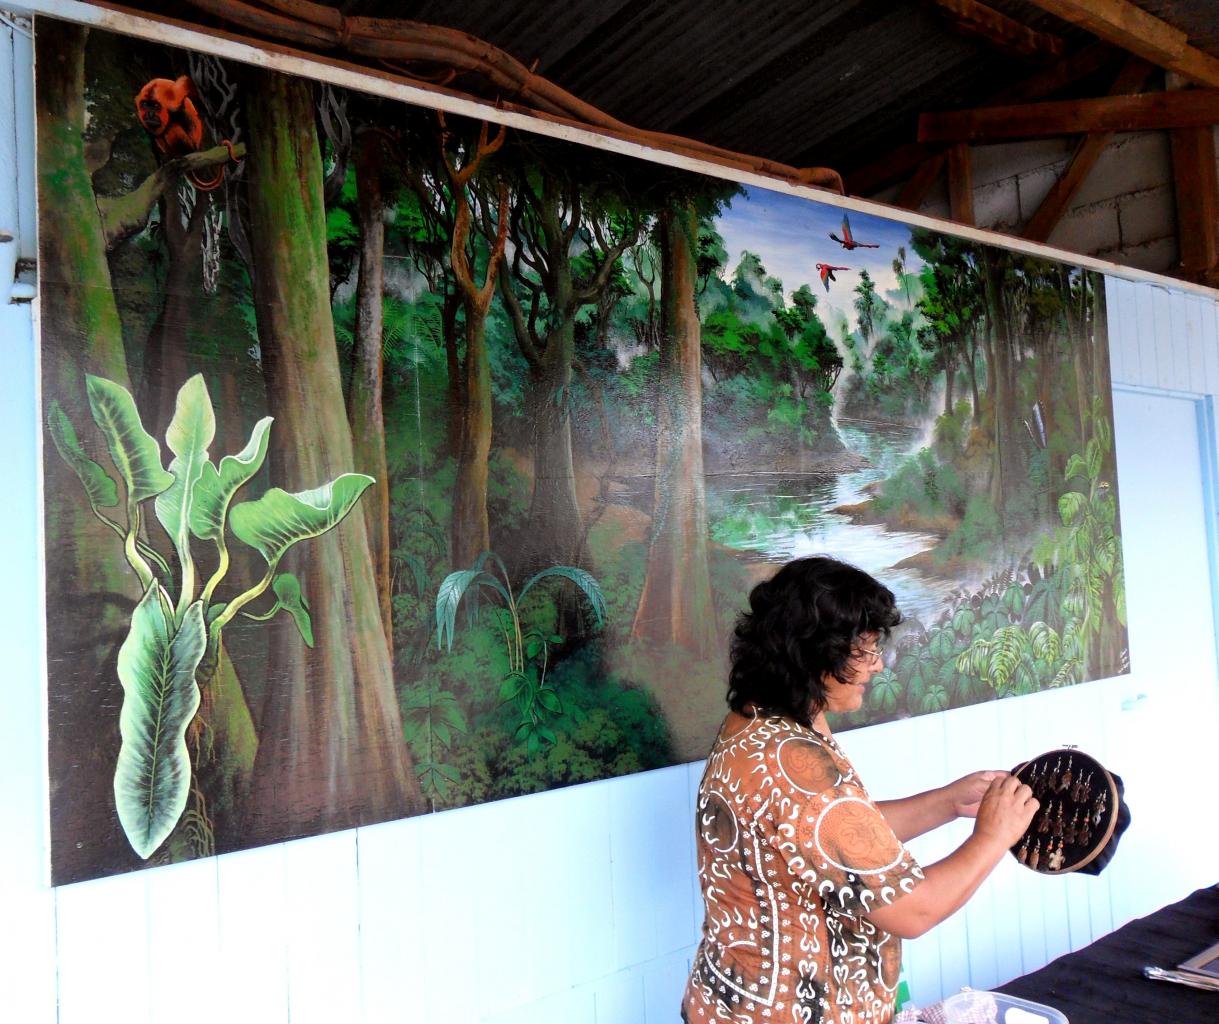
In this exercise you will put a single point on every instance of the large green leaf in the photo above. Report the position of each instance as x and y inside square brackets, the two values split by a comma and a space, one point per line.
[584, 580]
[448, 597]
[277, 520]
[1007, 646]
[160, 697]
[216, 487]
[101, 490]
[188, 436]
[135, 453]
[1070, 505]
[1045, 642]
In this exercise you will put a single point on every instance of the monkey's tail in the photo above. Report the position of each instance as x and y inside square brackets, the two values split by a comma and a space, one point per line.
[211, 184]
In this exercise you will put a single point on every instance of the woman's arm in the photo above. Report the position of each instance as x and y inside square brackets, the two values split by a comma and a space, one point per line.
[912, 816]
[1004, 814]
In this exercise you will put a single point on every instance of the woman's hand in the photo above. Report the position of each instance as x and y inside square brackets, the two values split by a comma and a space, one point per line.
[1005, 811]
[966, 793]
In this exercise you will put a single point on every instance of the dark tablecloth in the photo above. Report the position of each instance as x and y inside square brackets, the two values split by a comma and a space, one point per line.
[1103, 983]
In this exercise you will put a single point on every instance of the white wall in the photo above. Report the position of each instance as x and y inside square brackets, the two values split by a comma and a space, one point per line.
[580, 906]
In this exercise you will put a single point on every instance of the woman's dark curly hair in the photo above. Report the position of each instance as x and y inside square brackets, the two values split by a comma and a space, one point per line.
[802, 624]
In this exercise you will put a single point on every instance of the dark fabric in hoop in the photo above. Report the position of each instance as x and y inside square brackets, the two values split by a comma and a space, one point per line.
[1098, 863]
[1044, 772]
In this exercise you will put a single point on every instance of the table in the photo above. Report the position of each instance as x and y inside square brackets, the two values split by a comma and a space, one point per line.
[1103, 983]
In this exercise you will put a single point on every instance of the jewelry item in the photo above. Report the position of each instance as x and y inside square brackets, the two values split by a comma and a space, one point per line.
[1056, 858]
[1035, 856]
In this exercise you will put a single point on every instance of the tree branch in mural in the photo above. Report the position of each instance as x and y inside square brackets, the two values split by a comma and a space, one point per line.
[528, 650]
[471, 529]
[543, 288]
[173, 646]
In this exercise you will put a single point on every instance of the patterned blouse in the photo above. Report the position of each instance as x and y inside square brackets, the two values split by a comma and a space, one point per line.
[791, 853]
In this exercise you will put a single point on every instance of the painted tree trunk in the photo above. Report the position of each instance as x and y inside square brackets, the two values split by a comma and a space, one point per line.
[471, 530]
[1007, 464]
[554, 525]
[84, 335]
[676, 605]
[456, 382]
[331, 753]
[364, 405]
[165, 364]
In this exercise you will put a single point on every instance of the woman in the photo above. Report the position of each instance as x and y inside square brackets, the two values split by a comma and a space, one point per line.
[808, 888]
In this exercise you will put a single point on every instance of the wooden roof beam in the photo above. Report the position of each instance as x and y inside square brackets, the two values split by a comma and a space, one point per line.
[975, 19]
[960, 184]
[1088, 150]
[1197, 194]
[1124, 24]
[899, 162]
[1188, 108]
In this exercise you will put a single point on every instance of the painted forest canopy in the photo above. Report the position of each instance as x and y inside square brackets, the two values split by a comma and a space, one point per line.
[452, 451]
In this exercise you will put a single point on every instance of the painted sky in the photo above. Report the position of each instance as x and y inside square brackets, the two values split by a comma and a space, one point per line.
[791, 235]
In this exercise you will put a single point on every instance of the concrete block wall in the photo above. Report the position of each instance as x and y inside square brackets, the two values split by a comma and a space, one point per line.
[1125, 210]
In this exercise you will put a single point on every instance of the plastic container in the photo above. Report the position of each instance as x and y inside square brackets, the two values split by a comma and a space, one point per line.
[975, 1007]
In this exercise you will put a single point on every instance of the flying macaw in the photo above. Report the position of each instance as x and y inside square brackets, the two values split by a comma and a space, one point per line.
[847, 241]
[827, 273]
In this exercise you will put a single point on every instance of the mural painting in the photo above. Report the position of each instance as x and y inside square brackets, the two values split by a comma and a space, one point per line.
[396, 462]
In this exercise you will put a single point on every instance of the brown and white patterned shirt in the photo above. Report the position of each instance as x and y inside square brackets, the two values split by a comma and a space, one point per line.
[792, 852]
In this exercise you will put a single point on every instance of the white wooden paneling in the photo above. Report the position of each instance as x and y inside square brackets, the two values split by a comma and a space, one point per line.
[321, 913]
[27, 943]
[651, 846]
[618, 999]
[393, 941]
[664, 981]
[23, 92]
[252, 906]
[184, 943]
[103, 952]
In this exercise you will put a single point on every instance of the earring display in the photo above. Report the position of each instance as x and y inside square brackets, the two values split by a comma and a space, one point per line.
[1080, 802]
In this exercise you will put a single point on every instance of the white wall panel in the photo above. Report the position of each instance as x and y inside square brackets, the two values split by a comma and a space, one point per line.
[252, 905]
[27, 943]
[393, 943]
[103, 952]
[184, 943]
[322, 918]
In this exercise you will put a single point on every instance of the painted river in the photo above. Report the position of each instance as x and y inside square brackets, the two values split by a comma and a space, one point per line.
[773, 518]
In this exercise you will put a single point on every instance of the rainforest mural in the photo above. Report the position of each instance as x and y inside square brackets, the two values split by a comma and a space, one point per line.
[396, 462]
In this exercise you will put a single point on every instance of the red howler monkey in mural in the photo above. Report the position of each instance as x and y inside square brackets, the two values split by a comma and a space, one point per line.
[168, 111]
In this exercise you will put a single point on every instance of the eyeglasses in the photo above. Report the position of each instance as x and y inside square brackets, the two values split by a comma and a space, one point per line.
[868, 654]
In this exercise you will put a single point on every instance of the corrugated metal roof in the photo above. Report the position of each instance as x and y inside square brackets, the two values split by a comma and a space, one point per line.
[835, 83]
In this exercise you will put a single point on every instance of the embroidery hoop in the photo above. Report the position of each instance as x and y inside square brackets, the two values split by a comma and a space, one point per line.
[1076, 855]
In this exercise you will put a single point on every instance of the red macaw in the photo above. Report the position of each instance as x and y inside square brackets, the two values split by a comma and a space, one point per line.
[827, 273]
[847, 241]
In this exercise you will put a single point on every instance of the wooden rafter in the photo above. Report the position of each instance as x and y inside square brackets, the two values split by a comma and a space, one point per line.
[1130, 79]
[975, 19]
[915, 190]
[1189, 108]
[960, 184]
[1197, 193]
[904, 159]
[1124, 24]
